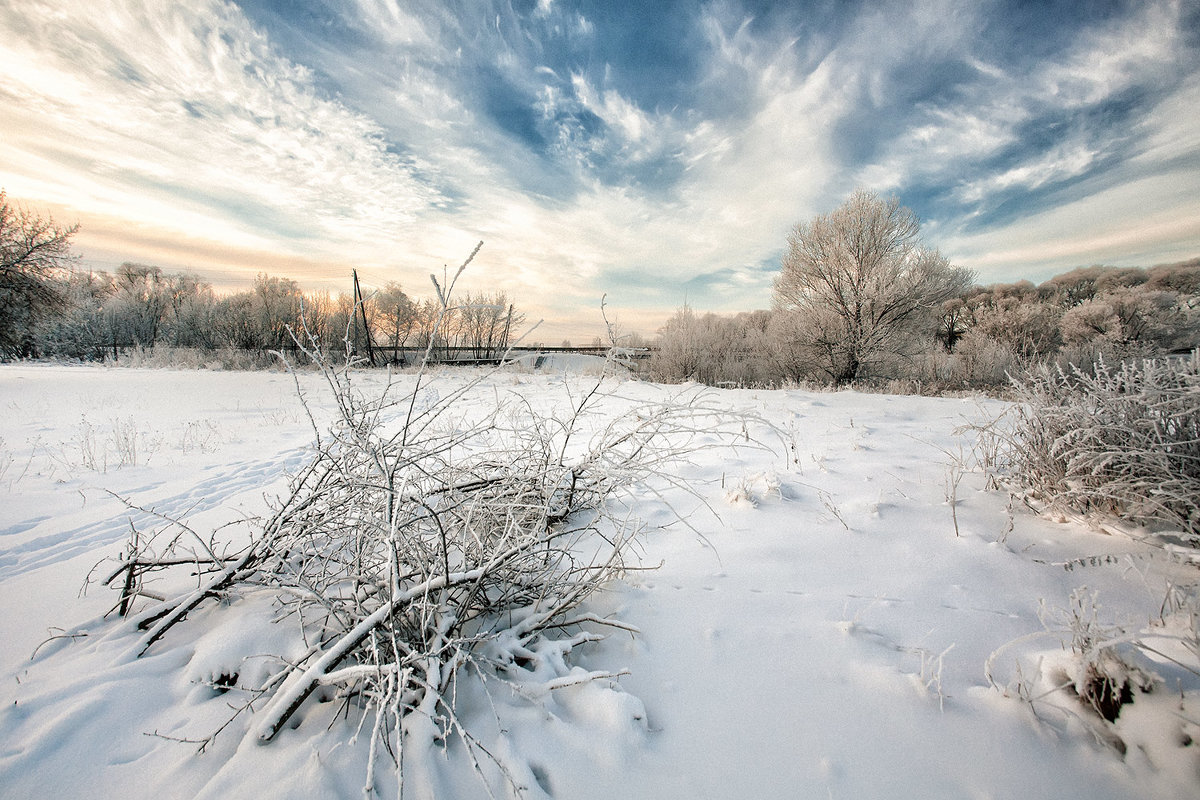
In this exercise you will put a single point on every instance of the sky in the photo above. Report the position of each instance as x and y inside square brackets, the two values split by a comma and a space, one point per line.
[650, 153]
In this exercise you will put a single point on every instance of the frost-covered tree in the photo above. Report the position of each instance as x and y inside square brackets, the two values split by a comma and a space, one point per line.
[862, 287]
[82, 330]
[1129, 322]
[1182, 277]
[678, 355]
[190, 306]
[397, 315]
[714, 349]
[1029, 329]
[35, 254]
[278, 302]
[236, 322]
[139, 304]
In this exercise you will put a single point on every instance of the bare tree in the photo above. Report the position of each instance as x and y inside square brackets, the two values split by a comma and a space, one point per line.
[952, 322]
[278, 302]
[81, 330]
[397, 316]
[190, 302]
[862, 285]
[35, 253]
[486, 323]
[1183, 277]
[140, 303]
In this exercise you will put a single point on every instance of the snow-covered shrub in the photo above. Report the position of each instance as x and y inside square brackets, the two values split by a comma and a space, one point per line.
[749, 489]
[1103, 672]
[1121, 441]
[1028, 329]
[225, 358]
[418, 544]
[1109, 442]
[984, 361]
[1130, 685]
[1093, 320]
[715, 350]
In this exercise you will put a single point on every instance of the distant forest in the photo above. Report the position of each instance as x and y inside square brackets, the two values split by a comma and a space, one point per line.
[901, 315]
[860, 299]
[975, 339]
[51, 309]
[141, 306]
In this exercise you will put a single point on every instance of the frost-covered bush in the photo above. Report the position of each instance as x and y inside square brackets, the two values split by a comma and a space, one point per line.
[1028, 329]
[1128, 322]
[983, 361]
[714, 350]
[1121, 441]
[421, 543]
[1102, 669]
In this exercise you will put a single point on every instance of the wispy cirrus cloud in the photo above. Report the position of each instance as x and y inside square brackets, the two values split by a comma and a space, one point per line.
[1014, 139]
[183, 117]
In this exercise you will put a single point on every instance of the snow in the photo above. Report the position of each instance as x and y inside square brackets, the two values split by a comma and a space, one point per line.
[814, 627]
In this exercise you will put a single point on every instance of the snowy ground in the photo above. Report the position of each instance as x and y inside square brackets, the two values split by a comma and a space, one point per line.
[817, 630]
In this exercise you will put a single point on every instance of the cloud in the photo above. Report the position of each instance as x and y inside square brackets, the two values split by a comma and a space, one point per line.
[650, 154]
[1065, 161]
[1021, 131]
[1139, 223]
[1126, 52]
[188, 120]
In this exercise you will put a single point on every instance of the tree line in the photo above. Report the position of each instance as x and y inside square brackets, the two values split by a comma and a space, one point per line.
[50, 309]
[861, 298]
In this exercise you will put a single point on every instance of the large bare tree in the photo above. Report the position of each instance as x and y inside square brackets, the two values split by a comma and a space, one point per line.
[35, 253]
[860, 286]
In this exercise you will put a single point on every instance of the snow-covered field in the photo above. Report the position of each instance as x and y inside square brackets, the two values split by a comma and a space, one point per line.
[816, 629]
